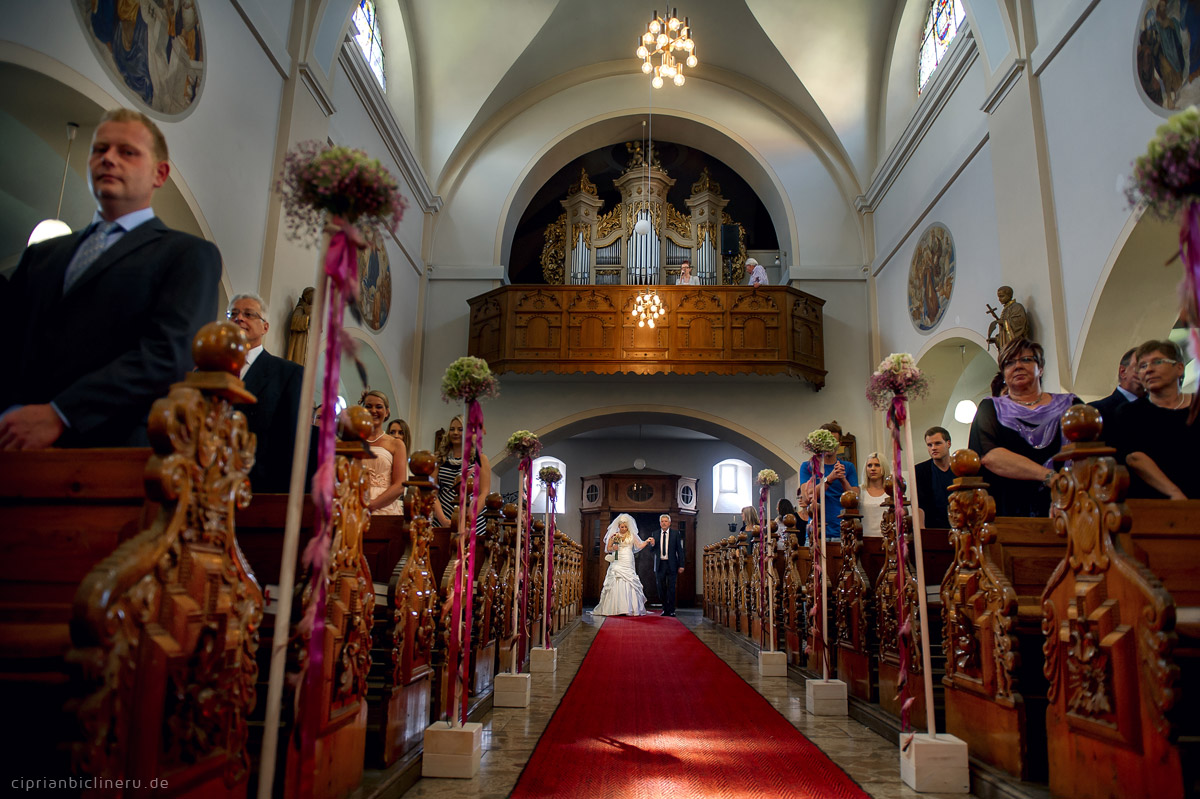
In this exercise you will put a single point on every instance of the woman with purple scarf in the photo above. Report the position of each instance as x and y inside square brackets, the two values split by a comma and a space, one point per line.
[1017, 434]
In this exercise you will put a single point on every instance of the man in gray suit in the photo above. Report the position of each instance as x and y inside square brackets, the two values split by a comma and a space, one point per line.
[99, 324]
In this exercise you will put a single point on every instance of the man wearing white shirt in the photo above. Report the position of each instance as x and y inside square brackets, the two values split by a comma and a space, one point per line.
[668, 554]
[758, 275]
[275, 383]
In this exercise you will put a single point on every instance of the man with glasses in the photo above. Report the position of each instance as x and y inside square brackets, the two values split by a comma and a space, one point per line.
[275, 383]
[100, 323]
[1152, 434]
[1129, 387]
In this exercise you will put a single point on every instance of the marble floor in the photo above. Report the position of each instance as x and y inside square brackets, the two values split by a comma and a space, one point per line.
[510, 734]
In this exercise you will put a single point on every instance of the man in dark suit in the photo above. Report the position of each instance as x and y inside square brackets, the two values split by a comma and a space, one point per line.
[933, 480]
[667, 551]
[99, 324]
[275, 383]
[1129, 388]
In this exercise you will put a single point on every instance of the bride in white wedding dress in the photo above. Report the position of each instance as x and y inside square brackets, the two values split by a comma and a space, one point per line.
[622, 593]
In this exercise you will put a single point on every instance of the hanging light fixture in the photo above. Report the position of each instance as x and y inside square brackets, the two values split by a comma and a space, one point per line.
[51, 228]
[663, 37]
[648, 307]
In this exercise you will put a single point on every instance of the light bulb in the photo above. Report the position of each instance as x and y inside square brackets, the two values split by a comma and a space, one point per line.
[634, 312]
[647, 68]
[48, 229]
[643, 225]
[655, 25]
[651, 323]
[689, 45]
[692, 61]
[673, 24]
[964, 411]
[657, 82]
[641, 324]
[679, 79]
[647, 38]
[663, 39]
[642, 52]
[668, 71]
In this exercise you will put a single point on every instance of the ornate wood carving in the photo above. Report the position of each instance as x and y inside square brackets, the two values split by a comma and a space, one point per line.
[1110, 637]
[852, 588]
[165, 629]
[713, 329]
[554, 251]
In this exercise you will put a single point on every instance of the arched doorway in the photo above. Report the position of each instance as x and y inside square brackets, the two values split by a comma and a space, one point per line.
[961, 371]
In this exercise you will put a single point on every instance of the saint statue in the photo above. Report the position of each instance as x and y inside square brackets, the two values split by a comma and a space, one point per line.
[298, 336]
[1011, 324]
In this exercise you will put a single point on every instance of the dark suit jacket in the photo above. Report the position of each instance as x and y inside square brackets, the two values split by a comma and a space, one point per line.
[275, 382]
[675, 552]
[1109, 406]
[105, 350]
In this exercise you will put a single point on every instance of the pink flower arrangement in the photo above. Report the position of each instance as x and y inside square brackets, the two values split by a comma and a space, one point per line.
[1167, 177]
[523, 444]
[468, 379]
[896, 376]
[319, 179]
[549, 475]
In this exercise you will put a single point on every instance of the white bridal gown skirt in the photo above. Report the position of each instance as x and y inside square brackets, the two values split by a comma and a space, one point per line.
[622, 592]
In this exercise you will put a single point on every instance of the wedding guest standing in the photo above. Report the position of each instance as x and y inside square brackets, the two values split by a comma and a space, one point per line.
[386, 471]
[99, 324]
[449, 456]
[872, 495]
[934, 477]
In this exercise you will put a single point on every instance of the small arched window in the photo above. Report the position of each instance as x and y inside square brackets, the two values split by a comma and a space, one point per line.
[942, 24]
[539, 491]
[731, 486]
[367, 37]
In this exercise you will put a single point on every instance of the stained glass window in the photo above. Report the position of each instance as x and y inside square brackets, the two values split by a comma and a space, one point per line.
[941, 26]
[366, 35]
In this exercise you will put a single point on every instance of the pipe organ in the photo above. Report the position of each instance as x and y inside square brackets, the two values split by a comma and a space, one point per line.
[588, 245]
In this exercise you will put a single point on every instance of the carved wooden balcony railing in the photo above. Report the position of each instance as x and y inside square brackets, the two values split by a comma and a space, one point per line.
[707, 329]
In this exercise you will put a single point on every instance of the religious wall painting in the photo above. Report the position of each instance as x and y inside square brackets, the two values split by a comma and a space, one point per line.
[1166, 54]
[931, 277]
[374, 283]
[154, 50]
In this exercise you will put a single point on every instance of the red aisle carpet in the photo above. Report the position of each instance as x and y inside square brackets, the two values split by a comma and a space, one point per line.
[653, 712]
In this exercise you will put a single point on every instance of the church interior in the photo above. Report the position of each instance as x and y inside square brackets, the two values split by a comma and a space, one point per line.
[891, 165]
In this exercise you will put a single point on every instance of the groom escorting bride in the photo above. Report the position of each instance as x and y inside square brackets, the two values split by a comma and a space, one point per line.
[622, 593]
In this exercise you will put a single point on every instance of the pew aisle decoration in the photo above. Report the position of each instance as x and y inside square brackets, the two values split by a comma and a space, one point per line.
[524, 446]
[550, 477]
[895, 382]
[466, 380]
[1166, 181]
[329, 194]
[820, 443]
[766, 479]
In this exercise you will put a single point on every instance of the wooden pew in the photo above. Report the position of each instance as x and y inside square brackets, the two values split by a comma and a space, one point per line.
[1120, 644]
[61, 513]
[165, 629]
[853, 592]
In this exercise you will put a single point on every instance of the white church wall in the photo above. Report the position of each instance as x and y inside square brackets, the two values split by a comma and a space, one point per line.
[967, 209]
[1096, 124]
[826, 227]
[223, 150]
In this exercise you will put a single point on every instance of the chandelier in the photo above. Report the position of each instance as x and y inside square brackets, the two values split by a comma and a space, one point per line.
[647, 307]
[661, 39]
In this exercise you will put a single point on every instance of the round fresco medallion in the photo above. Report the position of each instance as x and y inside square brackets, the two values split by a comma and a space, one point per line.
[374, 283]
[1166, 54]
[154, 50]
[931, 277]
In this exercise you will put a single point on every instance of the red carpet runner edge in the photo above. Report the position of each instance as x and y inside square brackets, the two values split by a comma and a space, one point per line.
[653, 712]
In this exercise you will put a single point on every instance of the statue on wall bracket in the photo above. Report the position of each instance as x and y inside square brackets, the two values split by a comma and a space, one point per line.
[1010, 324]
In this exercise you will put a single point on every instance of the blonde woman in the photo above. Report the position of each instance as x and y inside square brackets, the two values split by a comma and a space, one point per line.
[449, 455]
[386, 471]
[622, 594]
[872, 495]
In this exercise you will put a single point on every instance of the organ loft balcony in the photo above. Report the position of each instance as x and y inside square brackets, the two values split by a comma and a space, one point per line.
[718, 329]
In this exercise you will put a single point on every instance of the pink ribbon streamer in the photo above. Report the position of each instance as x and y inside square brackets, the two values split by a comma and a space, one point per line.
[341, 270]
[1189, 289]
[763, 493]
[551, 497]
[464, 581]
[897, 415]
[526, 539]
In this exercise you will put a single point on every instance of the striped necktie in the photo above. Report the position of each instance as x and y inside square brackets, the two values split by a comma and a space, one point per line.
[91, 249]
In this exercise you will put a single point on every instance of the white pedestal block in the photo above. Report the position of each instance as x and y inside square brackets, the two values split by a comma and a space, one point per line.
[772, 664]
[935, 764]
[543, 660]
[825, 697]
[511, 690]
[452, 750]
